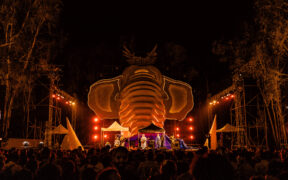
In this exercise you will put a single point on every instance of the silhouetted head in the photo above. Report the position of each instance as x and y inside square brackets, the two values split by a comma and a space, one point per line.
[109, 174]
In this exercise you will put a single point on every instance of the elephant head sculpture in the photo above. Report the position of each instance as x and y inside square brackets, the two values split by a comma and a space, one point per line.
[139, 97]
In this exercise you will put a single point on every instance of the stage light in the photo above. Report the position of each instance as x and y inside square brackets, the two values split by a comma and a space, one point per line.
[177, 129]
[53, 95]
[66, 102]
[191, 128]
[58, 98]
[210, 103]
[217, 102]
[232, 96]
[191, 137]
[105, 136]
[95, 137]
[96, 119]
[214, 101]
[226, 98]
[190, 119]
[178, 135]
[73, 103]
[95, 127]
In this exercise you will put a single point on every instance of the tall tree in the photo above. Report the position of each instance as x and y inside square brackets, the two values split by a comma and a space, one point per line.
[262, 54]
[26, 37]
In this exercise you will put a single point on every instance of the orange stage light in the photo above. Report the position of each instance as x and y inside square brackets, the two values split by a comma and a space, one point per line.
[105, 136]
[95, 127]
[58, 98]
[95, 137]
[190, 119]
[177, 129]
[191, 137]
[178, 135]
[96, 119]
[191, 128]
[53, 95]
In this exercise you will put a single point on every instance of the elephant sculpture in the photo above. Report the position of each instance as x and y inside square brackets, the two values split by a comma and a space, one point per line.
[140, 96]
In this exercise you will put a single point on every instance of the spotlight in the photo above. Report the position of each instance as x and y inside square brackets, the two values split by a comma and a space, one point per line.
[95, 127]
[191, 128]
[190, 119]
[177, 129]
[95, 137]
[96, 119]
[105, 136]
[178, 135]
[191, 137]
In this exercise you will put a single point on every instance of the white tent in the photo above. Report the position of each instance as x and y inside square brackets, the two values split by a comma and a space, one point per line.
[70, 140]
[115, 126]
[229, 128]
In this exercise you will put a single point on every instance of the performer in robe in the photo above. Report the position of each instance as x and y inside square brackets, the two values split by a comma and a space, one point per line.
[158, 141]
[117, 141]
[143, 141]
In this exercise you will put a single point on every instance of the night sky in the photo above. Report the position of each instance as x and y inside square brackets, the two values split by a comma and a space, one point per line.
[95, 33]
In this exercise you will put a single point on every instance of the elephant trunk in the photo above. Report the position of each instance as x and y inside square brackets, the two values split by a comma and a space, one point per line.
[141, 105]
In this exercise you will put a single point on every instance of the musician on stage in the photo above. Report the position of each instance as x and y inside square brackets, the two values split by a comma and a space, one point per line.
[143, 141]
[117, 141]
[122, 141]
[158, 141]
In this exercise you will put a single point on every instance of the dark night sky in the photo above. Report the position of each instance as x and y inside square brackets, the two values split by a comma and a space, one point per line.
[96, 32]
[99, 30]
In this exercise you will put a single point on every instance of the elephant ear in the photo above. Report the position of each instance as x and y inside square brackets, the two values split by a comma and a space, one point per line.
[102, 98]
[180, 99]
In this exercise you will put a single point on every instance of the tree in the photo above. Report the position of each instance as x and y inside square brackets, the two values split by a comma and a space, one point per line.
[262, 54]
[26, 39]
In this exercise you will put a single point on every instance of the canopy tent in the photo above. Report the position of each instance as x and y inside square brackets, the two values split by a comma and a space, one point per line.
[151, 129]
[115, 126]
[70, 140]
[59, 130]
[229, 128]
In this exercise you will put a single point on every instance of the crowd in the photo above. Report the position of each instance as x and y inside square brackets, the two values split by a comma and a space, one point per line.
[119, 163]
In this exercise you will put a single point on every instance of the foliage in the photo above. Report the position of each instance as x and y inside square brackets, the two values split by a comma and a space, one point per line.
[27, 35]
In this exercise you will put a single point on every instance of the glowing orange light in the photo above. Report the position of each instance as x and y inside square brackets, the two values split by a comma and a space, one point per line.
[95, 137]
[95, 127]
[226, 98]
[96, 119]
[217, 102]
[66, 102]
[105, 136]
[191, 137]
[58, 98]
[53, 95]
[232, 96]
[177, 129]
[190, 119]
[191, 128]
[178, 135]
